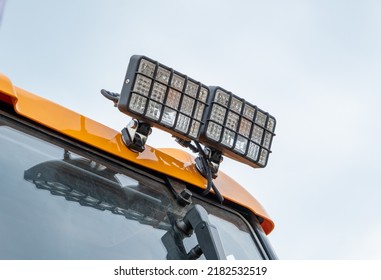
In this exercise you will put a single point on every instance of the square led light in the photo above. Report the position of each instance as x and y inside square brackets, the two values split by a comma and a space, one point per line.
[164, 98]
[163, 75]
[213, 131]
[195, 128]
[137, 103]
[178, 82]
[158, 92]
[198, 113]
[142, 85]
[228, 138]
[147, 68]
[173, 99]
[218, 114]
[187, 105]
[237, 128]
[169, 117]
[154, 109]
[191, 89]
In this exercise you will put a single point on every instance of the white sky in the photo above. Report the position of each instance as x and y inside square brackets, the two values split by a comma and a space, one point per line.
[314, 65]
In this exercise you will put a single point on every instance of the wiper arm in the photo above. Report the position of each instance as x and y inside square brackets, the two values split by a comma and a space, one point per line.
[195, 221]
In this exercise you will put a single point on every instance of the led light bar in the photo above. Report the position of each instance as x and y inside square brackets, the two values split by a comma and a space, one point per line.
[164, 98]
[237, 128]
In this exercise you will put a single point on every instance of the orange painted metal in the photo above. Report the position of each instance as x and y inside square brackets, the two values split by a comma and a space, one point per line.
[172, 162]
[230, 189]
[7, 91]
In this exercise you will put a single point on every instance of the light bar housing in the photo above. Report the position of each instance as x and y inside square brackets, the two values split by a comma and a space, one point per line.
[164, 98]
[237, 128]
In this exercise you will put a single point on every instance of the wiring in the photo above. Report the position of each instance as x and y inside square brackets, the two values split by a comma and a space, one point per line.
[113, 96]
[208, 173]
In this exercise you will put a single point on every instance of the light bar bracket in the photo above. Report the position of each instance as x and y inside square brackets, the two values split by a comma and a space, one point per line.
[213, 159]
[135, 135]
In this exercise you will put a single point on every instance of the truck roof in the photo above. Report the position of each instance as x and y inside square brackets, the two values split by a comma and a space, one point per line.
[172, 162]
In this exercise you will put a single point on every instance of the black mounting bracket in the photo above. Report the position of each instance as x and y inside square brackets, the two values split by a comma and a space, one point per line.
[213, 159]
[135, 135]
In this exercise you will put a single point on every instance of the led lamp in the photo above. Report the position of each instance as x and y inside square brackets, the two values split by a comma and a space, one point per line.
[237, 128]
[164, 98]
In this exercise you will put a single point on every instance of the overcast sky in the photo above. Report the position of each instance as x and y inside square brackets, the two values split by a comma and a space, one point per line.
[314, 65]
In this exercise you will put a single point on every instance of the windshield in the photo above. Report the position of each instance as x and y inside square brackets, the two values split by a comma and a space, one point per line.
[56, 203]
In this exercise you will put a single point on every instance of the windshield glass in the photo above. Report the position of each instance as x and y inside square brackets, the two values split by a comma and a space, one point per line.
[58, 204]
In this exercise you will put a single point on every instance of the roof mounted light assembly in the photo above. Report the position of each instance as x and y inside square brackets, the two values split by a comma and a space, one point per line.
[163, 98]
[237, 128]
[155, 95]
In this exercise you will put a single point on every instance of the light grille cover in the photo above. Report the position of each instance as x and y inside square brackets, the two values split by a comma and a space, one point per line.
[164, 97]
[237, 128]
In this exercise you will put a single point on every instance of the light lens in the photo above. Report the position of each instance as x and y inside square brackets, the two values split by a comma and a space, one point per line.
[228, 138]
[137, 103]
[147, 68]
[218, 114]
[158, 92]
[163, 75]
[222, 98]
[238, 128]
[187, 105]
[178, 82]
[164, 98]
[214, 131]
[142, 85]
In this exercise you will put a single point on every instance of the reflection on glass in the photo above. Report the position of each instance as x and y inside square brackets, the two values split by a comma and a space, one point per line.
[56, 204]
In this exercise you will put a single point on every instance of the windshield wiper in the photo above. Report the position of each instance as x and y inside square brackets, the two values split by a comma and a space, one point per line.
[196, 222]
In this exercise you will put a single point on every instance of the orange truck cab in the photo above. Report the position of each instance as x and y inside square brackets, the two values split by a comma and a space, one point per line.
[71, 189]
